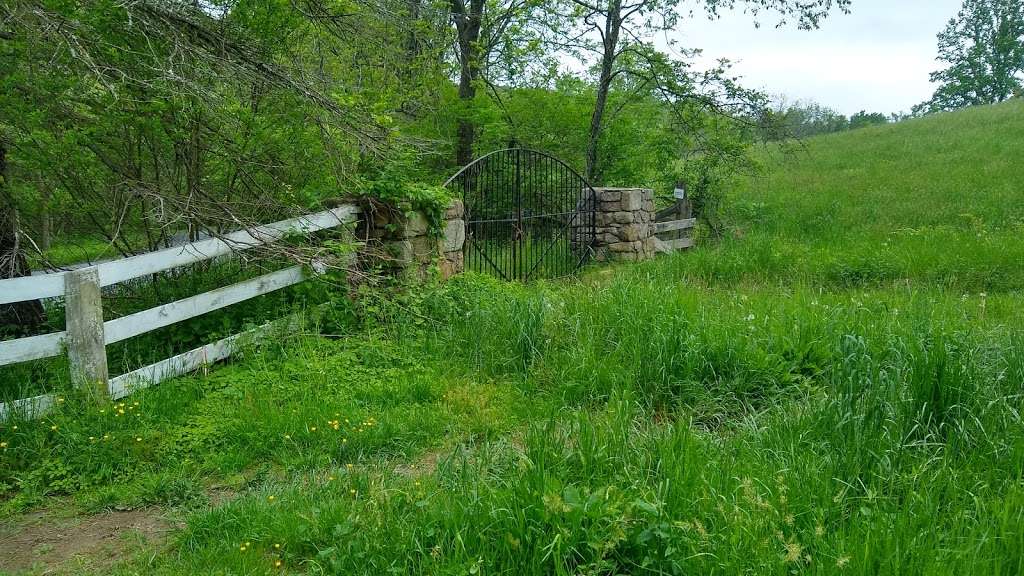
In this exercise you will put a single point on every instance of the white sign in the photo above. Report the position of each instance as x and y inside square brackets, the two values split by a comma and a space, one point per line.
[680, 193]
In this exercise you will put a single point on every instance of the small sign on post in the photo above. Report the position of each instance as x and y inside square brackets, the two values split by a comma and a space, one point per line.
[680, 192]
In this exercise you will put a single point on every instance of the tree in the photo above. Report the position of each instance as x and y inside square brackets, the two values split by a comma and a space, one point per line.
[146, 120]
[22, 315]
[623, 30]
[468, 20]
[801, 119]
[864, 118]
[489, 34]
[983, 49]
[174, 117]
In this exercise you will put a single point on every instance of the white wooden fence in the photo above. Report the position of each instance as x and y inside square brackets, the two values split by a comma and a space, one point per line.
[86, 334]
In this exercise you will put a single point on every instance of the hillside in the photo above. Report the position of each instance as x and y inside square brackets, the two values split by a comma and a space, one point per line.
[937, 200]
[948, 170]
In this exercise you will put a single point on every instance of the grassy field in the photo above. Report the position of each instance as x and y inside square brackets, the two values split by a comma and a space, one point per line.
[836, 388]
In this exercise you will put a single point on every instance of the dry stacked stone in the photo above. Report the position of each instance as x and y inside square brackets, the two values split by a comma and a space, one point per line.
[401, 240]
[624, 224]
[454, 238]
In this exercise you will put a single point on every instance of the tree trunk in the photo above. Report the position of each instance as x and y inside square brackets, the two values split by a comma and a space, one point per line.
[20, 318]
[612, 27]
[467, 23]
[46, 216]
[412, 41]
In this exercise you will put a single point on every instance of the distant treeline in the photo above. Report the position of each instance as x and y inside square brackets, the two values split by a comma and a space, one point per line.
[801, 119]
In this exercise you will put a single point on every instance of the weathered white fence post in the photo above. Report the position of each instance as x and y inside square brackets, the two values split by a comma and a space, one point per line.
[87, 352]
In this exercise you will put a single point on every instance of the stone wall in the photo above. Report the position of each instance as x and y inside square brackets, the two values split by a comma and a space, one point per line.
[400, 240]
[624, 224]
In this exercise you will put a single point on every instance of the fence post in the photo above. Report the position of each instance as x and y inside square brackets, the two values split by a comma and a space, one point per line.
[683, 207]
[87, 352]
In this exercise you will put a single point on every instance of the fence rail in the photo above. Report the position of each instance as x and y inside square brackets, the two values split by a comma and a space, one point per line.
[86, 334]
[673, 224]
[117, 271]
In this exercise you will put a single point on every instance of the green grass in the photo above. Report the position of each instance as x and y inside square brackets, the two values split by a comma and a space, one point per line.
[933, 201]
[801, 398]
[77, 251]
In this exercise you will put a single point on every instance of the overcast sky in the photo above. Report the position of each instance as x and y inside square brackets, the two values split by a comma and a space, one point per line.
[877, 58]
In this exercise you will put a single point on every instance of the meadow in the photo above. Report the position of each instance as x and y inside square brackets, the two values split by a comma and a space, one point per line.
[836, 387]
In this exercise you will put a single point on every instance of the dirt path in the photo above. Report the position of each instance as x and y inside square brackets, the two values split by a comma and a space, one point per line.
[51, 543]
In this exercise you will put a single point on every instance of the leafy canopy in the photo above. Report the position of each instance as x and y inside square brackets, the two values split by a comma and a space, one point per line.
[983, 48]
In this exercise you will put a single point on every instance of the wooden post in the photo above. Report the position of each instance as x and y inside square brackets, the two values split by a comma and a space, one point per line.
[682, 207]
[87, 352]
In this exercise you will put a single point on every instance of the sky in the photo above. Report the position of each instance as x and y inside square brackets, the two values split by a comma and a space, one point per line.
[877, 58]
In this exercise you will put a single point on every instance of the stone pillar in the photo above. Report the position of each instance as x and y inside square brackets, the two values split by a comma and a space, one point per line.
[400, 240]
[454, 239]
[624, 224]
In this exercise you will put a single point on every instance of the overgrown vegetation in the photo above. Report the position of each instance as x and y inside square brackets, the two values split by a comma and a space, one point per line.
[834, 388]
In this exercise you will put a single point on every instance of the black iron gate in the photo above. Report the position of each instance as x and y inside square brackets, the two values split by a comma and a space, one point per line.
[528, 215]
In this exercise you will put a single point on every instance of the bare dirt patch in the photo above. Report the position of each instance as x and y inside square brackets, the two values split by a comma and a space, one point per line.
[221, 495]
[50, 543]
[424, 466]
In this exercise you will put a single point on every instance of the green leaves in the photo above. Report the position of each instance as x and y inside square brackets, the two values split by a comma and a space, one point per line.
[983, 48]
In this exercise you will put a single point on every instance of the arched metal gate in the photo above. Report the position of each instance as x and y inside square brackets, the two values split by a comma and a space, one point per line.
[528, 215]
